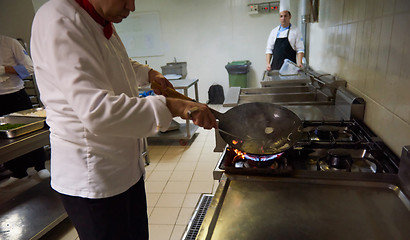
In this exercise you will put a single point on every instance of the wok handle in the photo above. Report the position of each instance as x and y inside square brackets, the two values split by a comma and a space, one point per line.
[175, 94]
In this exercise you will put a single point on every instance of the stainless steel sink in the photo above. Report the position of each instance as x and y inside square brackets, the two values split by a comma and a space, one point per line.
[286, 95]
[280, 89]
[273, 78]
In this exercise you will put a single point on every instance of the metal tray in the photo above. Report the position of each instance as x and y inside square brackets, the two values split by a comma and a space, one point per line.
[33, 112]
[31, 124]
[251, 207]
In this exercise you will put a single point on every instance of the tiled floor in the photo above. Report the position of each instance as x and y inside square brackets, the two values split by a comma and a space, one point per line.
[175, 180]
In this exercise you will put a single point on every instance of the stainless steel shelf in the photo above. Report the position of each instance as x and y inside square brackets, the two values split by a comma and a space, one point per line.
[32, 213]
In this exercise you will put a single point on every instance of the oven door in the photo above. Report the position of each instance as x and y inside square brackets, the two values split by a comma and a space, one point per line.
[255, 207]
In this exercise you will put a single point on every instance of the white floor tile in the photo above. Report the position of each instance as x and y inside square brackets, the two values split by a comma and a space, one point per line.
[178, 232]
[200, 187]
[176, 187]
[152, 199]
[191, 200]
[159, 176]
[160, 232]
[155, 187]
[181, 176]
[162, 215]
[184, 216]
[171, 200]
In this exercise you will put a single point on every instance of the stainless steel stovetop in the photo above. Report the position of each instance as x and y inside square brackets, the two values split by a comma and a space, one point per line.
[325, 146]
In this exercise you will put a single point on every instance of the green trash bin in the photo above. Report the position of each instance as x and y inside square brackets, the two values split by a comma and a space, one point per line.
[238, 73]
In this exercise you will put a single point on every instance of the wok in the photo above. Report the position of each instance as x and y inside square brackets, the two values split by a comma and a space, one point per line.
[256, 128]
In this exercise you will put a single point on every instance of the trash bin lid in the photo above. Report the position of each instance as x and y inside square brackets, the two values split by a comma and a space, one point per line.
[244, 62]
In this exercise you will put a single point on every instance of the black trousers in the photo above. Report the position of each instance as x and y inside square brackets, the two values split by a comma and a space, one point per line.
[123, 216]
[15, 102]
[18, 166]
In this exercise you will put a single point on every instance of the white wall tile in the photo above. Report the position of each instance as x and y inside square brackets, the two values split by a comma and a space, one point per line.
[389, 7]
[370, 49]
[402, 6]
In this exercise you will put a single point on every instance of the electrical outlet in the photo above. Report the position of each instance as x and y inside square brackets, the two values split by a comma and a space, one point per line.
[264, 7]
[274, 7]
[253, 8]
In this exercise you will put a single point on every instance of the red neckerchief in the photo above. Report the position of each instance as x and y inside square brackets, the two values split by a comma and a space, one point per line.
[86, 5]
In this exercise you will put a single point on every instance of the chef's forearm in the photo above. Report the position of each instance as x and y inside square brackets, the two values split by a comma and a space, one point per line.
[200, 114]
[299, 58]
[268, 60]
[9, 69]
[153, 74]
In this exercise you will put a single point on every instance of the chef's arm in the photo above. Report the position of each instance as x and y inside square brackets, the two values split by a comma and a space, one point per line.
[299, 58]
[268, 60]
[198, 112]
[155, 76]
[8, 69]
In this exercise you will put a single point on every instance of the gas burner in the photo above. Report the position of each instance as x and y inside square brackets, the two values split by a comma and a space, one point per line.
[336, 159]
[332, 134]
[243, 159]
[326, 132]
[347, 146]
[254, 164]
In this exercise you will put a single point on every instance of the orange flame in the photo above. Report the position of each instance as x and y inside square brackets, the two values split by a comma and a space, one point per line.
[234, 142]
[239, 153]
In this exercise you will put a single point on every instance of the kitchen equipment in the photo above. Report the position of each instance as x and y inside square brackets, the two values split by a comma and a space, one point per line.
[29, 124]
[306, 207]
[346, 177]
[325, 147]
[260, 128]
[33, 112]
[177, 68]
[255, 128]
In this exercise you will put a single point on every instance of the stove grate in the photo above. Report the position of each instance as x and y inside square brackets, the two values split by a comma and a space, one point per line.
[198, 216]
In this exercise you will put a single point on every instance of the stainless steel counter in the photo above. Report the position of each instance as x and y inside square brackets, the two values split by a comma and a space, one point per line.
[34, 212]
[14, 147]
[31, 214]
[307, 207]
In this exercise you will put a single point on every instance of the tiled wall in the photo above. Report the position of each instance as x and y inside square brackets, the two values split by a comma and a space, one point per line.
[367, 42]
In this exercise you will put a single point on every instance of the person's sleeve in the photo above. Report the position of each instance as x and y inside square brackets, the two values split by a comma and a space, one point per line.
[141, 72]
[24, 67]
[299, 42]
[78, 73]
[271, 42]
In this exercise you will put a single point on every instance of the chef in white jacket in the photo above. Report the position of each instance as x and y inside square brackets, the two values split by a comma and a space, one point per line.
[16, 65]
[284, 42]
[89, 88]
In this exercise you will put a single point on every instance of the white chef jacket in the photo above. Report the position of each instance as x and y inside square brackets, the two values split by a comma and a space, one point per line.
[89, 88]
[295, 39]
[12, 54]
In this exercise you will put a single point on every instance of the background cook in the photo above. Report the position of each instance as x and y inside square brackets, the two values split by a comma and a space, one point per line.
[16, 65]
[284, 42]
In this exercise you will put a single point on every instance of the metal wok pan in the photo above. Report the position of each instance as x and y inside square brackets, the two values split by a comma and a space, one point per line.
[256, 128]
[260, 128]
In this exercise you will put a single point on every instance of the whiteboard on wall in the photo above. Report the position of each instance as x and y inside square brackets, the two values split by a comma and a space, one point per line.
[141, 34]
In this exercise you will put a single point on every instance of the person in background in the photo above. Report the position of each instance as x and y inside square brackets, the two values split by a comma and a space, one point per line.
[15, 65]
[89, 88]
[284, 42]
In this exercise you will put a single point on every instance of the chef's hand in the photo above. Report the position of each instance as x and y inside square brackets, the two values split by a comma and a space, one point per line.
[268, 67]
[155, 76]
[199, 113]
